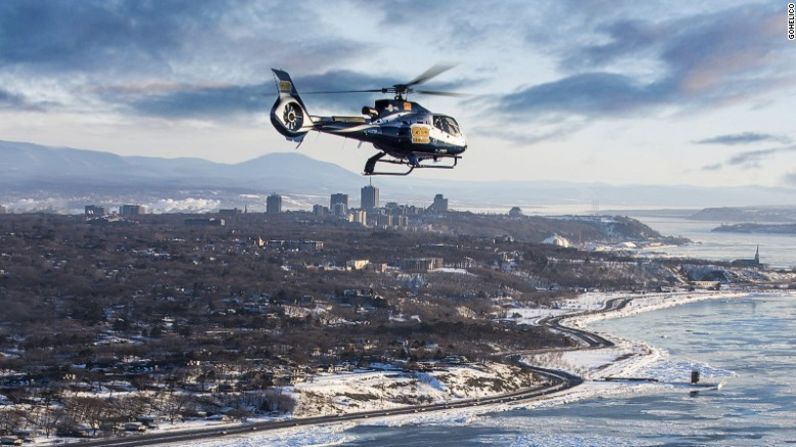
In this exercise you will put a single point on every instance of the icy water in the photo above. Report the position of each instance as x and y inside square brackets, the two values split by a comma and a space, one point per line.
[777, 250]
[752, 339]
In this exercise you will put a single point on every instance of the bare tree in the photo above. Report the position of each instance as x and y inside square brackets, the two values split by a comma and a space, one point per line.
[92, 411]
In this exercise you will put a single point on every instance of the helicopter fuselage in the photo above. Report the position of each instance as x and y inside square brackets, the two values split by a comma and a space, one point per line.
[403, 130]
[400, 128]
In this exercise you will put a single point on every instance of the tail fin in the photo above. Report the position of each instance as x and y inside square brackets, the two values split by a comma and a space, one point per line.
[289, 115]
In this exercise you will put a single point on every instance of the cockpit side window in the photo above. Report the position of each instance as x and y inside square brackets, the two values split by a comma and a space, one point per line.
[447, 125]
[453, 126]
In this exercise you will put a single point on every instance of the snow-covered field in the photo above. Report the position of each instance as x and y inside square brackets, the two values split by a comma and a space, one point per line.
[366, 390]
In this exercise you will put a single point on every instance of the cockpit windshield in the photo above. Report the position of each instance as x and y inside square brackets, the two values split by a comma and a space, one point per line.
[447, 125]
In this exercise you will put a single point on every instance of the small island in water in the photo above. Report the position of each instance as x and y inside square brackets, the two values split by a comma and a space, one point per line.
[757, 228]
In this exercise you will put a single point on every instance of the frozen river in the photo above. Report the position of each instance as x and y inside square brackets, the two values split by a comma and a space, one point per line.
[775, 249]
[747, 342]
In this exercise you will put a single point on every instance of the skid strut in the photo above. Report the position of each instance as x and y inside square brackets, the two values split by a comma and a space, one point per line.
[370, 165]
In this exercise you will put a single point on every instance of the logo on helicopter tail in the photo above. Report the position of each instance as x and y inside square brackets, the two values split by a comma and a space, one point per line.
[285, 86]
[420, 135]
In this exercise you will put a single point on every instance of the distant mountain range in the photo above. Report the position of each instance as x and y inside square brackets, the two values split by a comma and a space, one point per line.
[27, 169]
[25, 166]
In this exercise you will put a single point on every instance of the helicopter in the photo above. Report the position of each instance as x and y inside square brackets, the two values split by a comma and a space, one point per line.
[403, 131]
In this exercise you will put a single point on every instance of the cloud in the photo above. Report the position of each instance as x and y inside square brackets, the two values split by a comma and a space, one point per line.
[713, 167]
[31, 205]
[543, 131]
[744, 138]
[18, 101]
[89, 35]
[189, 205]
[83, 45]
[210, 60]
[626, 37]
[9, 100]
[699, 61]
[588, 94]
[223, 102]
[753, 158]
[750, 159]
[204, 102]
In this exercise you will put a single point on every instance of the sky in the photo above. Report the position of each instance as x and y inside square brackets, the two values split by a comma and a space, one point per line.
[619, 92]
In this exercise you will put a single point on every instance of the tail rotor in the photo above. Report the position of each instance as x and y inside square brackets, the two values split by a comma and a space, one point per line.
[289, 115]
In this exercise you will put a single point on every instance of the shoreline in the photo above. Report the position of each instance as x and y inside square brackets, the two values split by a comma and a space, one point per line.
[630, 356]
[592, 386]
[592, 365]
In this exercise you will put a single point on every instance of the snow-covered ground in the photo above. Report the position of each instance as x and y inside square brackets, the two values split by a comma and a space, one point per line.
[369, 390]
[365, 390]
[337, 393]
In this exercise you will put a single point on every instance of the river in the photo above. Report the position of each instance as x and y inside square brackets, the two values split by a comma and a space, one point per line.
[749, 341]
[776, 250]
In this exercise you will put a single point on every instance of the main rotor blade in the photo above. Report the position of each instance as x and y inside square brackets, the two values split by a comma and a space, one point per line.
[434, 71]
[432, 92]
[374, 90]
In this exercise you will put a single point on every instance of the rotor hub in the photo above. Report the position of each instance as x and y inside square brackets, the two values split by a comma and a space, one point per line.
[293, 116]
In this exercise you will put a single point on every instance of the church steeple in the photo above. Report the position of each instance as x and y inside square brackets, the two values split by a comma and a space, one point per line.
[757, 254]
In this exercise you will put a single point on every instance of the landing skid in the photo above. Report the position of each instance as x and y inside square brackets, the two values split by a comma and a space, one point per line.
[370, 166]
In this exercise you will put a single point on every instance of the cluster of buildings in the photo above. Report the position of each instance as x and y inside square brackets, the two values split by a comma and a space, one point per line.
[370, 212]
[410, 265]
[124, 211]
[292, 245]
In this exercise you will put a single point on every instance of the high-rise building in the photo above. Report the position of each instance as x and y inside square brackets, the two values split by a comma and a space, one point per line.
[339, 210]
[131, 210]
[2, 209]
[338, 198]
[358, 216]
[338, 204]
[440, 204]
[320, 211]
[384, 220]
[273, 204]
[94, 211]
[369, 198]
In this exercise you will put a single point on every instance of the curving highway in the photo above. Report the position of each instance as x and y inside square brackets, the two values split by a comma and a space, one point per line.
[556, 381]
[593, 341]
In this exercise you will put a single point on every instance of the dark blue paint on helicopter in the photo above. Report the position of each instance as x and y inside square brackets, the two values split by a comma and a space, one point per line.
[403, 131]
